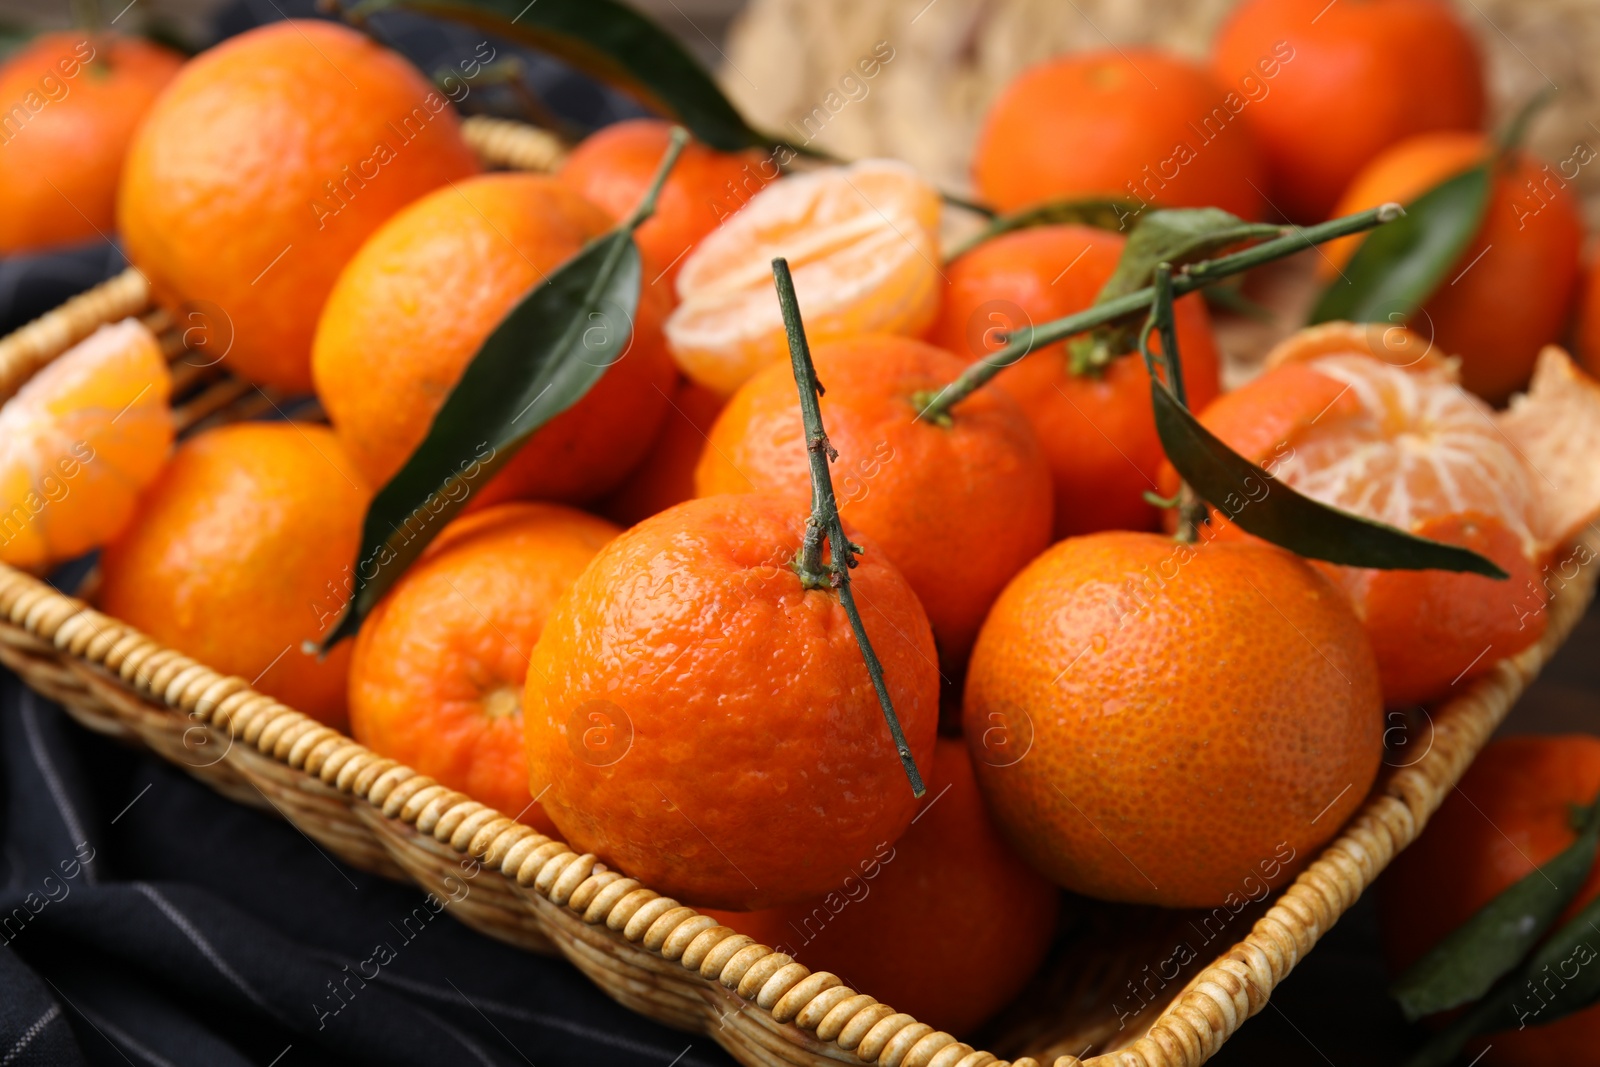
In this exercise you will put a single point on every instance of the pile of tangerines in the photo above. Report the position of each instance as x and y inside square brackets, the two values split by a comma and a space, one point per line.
[616, 641]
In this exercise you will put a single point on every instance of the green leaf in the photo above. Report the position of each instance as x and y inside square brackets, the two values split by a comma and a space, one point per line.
[1273, 511]
[611, 42]
[1398, 266]
[1466, 964]
[1103, 213]
[541, 359]
[1177, 236]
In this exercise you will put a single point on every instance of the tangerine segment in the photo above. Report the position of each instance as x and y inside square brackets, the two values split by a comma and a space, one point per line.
[1556, 428]
[437, 675]
[79, 442]
[862, 243]
[704, 722]
[1171, 724]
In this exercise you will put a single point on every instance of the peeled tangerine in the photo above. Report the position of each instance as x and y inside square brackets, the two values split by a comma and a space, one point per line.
[79, 442]
[1372, 420]
[862, 242]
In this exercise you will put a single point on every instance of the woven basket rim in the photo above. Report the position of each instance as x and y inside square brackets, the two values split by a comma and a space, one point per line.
[1210, 1008]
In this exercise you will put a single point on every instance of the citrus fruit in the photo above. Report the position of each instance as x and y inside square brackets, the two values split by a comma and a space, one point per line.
[1331, 85]
[79, 441]
[1371, 420]
[73, 101]
[1508, 294]
[438, 671]
[958, 505]
[1509, 817]
[862, 242]
[614, 167]
[666, 476]
[741, 759]
[946, 924]
[416, 302]
[264, 166]
[240, 552]
[1097, 428]
[1136, 123]
[1171, 723]
[1555, 428]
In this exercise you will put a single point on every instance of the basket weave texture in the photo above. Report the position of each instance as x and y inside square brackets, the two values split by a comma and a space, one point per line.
[646, 951]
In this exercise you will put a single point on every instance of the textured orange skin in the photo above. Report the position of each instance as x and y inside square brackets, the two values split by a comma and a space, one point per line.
[1107, 123]
[1510, 813]
[240, 551]
[958, 508]
[415, 304]
[1508, 294]
[456, 628]
[1431, 630]
[1098, 432]
[226, 170]
[666, 477]
[1183, 733]
[761, 769]
[1362, 76]
[946, 924]
[614, 166]
[59, 171]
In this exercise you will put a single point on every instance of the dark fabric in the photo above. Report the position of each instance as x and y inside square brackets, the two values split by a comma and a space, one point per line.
[147, 920]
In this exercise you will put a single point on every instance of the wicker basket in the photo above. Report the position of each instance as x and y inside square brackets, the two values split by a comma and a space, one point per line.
[648, 952]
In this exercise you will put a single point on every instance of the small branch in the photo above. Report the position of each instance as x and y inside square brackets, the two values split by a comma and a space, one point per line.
[1163, 320]
[647, 206]
[824, 520]
[1192, 277]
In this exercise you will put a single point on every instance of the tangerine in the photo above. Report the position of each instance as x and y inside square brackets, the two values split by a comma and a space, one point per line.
[862, 242]
[946, 923]
[1522, 263]
[666, 476]
[1137, 124]
[79, 442]
[1166, 738]
[1510, 815]
[740, 760]
[614, 167]
[439, 667]
[240, 552]
[415, 304]
[74, 100]
[1332, 85]
[265, 165]
[1097, 428]
[959, 505]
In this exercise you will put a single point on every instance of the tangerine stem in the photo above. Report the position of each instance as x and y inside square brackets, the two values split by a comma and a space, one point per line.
[1163, 320]
[1191, 277]
[647, 205]
[824, 520]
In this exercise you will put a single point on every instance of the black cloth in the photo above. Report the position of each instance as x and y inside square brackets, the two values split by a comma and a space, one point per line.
[146, 920]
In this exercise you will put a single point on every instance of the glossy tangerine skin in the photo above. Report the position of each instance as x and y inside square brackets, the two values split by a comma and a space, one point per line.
[412, 308]
[1358, 78]
[1110, 123]
[760, 769]
[614, 167]
[666, 474]
[1192, 711]
[1511, 812]
[82, 96]
[437, 676]
[221, 190]
[1509, 292]
[1097, 431]
[239, 552]
[947, 923]
[958, 508]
